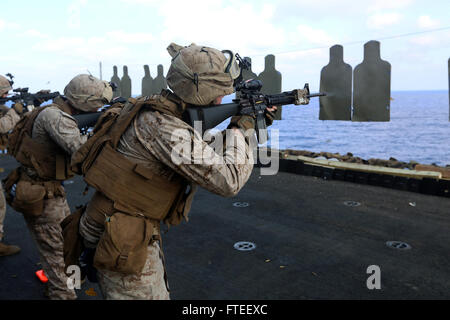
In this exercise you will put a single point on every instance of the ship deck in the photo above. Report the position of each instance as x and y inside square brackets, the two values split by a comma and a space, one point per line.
[310, 244]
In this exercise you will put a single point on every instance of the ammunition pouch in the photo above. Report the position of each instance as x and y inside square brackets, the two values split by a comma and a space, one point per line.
[29, 199]
[123, 245]
[73, 245]
[124, 242]
[30, 194]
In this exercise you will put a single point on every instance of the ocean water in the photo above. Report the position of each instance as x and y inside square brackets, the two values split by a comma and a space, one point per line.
[419, 130]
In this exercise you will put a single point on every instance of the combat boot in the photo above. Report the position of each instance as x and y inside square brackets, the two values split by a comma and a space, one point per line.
[7, 250]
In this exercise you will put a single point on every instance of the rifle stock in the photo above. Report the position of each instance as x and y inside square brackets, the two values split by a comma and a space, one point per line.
[211, 116]
[87, 120]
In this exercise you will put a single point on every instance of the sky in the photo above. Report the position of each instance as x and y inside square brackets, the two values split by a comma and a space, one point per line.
[46, 43]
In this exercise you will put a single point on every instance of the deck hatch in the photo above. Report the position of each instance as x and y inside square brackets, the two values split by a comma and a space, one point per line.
[244, 246]
[352, 203]
[240, 204]
[399, 245]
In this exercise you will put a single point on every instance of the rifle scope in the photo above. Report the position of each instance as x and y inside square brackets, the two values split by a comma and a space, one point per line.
[21, 90]
[250, 85]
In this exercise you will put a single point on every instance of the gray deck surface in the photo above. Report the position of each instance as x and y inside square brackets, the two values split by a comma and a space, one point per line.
[309, 245]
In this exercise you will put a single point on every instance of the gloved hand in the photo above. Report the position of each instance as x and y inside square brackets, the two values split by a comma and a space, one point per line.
[18, 107]
[269, 117]
[244, 122]
[87, 265]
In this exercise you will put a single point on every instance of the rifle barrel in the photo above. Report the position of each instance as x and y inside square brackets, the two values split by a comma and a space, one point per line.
[312, 95]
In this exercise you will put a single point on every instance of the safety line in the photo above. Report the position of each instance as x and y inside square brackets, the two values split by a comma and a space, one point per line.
[357, 42]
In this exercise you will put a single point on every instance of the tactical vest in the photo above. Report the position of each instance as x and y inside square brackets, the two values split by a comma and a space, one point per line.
[133, 188]
[50, 162]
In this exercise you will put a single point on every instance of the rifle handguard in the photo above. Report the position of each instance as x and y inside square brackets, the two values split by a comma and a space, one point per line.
[301, 96]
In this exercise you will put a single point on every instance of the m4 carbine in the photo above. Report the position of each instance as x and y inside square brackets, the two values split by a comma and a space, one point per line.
[250, 102]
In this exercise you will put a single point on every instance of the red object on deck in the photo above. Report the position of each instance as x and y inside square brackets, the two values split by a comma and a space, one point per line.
[41, 276]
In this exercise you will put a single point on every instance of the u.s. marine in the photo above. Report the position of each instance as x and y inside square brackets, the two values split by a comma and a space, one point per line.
[43, 142]
[8, 119]
[133, 146]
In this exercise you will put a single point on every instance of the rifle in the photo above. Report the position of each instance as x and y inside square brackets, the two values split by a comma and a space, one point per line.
[29, 100]
[250, 101]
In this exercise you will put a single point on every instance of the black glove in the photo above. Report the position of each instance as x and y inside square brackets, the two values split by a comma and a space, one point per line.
[269, 117]
[87, 265]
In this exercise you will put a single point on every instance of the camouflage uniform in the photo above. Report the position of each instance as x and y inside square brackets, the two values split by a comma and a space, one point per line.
[53, 126]
[149, 141]
[7, 123]
[149, 286]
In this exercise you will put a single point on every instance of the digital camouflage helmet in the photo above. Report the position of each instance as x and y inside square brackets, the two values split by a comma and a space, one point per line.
[200, 74]
[87, 93]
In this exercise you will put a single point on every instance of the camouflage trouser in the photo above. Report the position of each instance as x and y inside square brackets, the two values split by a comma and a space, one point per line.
[2, 210]
[47, 234]
[150, 285]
